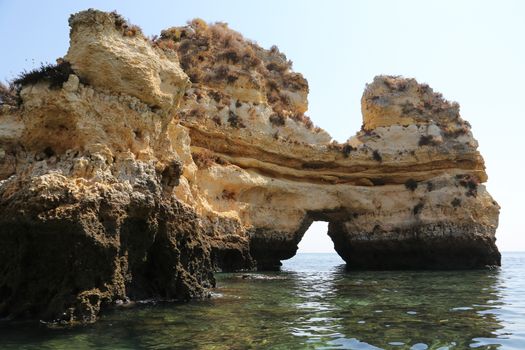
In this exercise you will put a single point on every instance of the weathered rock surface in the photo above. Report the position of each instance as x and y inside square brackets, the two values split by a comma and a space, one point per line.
[128, 182]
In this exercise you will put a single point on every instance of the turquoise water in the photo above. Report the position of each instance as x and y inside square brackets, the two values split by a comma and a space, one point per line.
[314, 304]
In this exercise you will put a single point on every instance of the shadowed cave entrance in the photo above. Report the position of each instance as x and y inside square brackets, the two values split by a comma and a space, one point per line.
[433, 246]
[376, 250]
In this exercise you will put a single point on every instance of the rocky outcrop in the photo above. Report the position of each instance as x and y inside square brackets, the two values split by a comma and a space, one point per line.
[124, 181]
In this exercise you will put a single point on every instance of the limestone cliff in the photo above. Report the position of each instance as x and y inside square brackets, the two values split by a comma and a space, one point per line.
[150, 163]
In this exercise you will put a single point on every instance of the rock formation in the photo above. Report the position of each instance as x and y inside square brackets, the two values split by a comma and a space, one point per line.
[136, 167]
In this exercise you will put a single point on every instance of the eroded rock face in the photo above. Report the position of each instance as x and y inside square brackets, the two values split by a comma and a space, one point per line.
[111, 54]
[130, 183]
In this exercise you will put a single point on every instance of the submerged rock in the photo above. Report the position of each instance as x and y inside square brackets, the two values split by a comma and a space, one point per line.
[125, 181]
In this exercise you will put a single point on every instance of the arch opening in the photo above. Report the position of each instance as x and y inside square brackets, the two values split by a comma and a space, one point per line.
[315, 250]
[316, 229]
[316, 239]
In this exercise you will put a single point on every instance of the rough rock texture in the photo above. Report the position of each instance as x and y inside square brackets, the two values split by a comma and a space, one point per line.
[136, 184]
[106, 56]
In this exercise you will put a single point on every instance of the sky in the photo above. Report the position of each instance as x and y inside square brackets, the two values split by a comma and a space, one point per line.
[471, 51]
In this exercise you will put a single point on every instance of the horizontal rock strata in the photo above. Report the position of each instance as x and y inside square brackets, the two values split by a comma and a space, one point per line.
[136, 167]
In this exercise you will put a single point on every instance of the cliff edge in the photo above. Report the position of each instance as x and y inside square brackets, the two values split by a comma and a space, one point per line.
[136, 167]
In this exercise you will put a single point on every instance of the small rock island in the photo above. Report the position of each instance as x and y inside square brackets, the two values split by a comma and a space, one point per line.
[136, 167]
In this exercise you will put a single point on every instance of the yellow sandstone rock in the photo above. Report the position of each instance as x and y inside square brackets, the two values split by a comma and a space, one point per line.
[126, 181]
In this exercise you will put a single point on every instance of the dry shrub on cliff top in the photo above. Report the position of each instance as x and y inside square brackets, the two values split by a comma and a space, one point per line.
[304, 119]
[8, 95]
[213, 54]
[427, 104]
[395, 83]
[124, 26]
[461, 127]
[54, 74]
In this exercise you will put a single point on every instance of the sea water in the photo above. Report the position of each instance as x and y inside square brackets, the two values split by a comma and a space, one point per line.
[313, 303]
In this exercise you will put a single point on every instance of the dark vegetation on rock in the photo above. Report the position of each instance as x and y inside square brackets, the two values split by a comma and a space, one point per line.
[204, 159]
[54, 74]
[234, 121]
[347, 149]
[277, 120]
[377, 156]
[411, 184]
[214, 54]
[427, 140]
[417, 208]
[470, 183]
[124, 26]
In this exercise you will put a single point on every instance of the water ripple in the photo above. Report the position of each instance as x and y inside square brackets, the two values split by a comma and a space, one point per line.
[314, 304]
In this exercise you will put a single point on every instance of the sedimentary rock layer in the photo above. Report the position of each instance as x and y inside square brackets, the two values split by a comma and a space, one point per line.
[138, 166]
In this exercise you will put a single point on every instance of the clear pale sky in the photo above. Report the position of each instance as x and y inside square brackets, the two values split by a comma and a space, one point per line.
[471, 51]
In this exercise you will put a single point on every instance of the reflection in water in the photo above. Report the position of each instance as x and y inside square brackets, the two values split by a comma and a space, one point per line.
[419, 310]
[314, 304]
